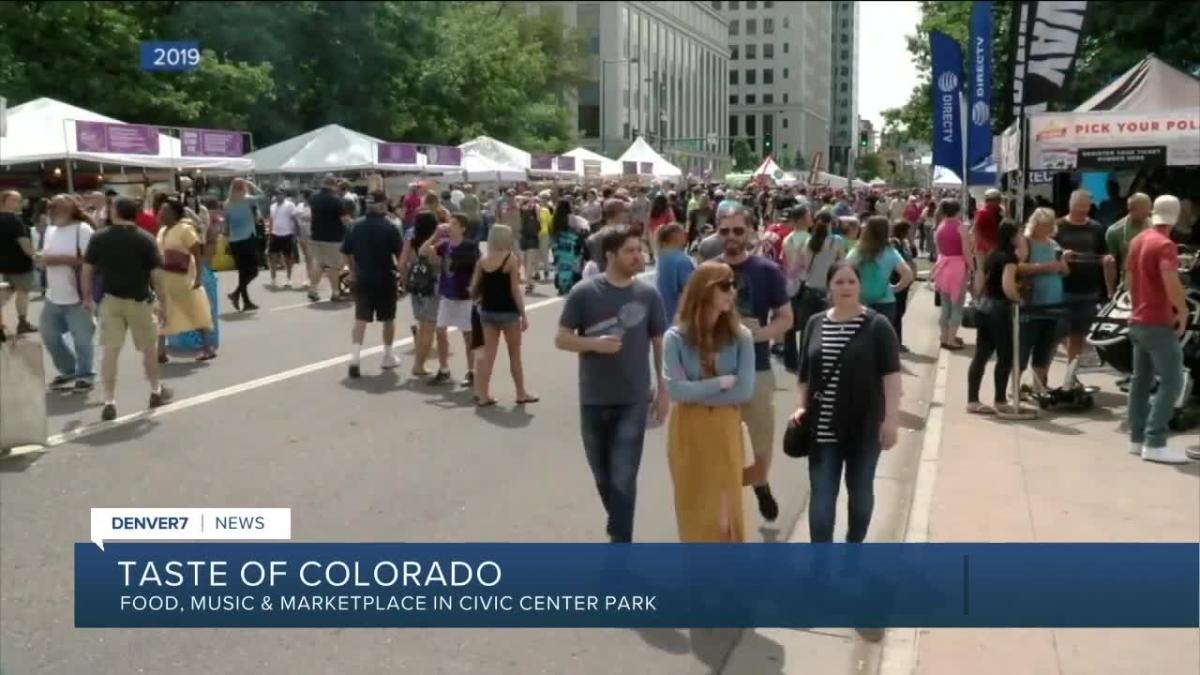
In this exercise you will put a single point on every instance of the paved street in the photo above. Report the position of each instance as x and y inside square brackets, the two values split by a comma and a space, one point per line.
[275, 422]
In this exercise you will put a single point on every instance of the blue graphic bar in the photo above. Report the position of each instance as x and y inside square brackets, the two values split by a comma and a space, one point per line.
[303, 585]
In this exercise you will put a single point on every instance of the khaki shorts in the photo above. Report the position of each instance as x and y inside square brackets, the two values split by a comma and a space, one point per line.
[25, 281]
[326, 254]
[117, 315]
[759, 414]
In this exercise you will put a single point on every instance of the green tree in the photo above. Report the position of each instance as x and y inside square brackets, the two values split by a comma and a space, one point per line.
[1117, 36]
[868, 166]
[743, 155]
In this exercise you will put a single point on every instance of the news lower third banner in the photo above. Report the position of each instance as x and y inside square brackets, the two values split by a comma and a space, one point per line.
[309, 585]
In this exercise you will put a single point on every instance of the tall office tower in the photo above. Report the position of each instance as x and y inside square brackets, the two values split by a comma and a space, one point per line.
[844, 93]
[779, 77]
[659, 70]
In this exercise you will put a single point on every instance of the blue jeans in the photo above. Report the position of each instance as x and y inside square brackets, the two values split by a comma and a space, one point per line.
[612, 439]
[824, 476]
[1156, 354]
[74, 360]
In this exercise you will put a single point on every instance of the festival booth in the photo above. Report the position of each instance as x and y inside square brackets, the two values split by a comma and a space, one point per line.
[332, 148]
[61, 146]
[642, 161]
[476, 168]
[1145, 122]
[592, 166]
[498, 152]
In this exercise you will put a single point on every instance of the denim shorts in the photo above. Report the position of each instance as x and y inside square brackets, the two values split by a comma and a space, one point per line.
[1081, 312]
[499, 318]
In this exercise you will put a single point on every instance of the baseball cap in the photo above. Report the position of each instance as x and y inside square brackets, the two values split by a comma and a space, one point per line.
[992, 193]
[1165, 211]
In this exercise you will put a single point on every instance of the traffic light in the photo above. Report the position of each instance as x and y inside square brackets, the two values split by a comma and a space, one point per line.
[768, 144]
[864, 141]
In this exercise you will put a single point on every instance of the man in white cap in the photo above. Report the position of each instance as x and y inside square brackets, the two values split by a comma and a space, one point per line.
[1159, 319]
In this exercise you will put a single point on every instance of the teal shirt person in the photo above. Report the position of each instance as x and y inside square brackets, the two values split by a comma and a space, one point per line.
[1047, 288]
[240, 217]
[674, 269]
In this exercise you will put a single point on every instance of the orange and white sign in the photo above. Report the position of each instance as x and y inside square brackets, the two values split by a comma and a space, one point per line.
[1056, 138]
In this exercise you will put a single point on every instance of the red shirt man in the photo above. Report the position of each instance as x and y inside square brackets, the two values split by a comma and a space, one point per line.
[1152, 258]
[987, 222]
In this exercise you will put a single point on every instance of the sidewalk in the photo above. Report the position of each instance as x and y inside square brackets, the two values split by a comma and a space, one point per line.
[1065, 477]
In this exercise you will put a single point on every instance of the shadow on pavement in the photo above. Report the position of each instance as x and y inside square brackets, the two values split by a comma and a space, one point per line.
[10, 463]
[512, 418]
[1192, 468]
[911, 421]
[237, 316]
[711, 646]
[769, 655]
[124, 433]
[180, 368]
[385, 382]
[66, 404]
[922, 359]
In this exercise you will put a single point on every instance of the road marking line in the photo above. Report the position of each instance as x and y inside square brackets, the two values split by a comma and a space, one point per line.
[298, 305]
[208, 397]
[900, 647]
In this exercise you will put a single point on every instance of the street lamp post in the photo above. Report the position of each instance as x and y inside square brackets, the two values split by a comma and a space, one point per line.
[604, 63]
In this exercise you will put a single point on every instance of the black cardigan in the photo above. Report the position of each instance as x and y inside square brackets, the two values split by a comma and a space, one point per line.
[873, 353]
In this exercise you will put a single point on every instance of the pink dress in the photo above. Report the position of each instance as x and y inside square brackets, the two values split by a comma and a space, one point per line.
[950, 271]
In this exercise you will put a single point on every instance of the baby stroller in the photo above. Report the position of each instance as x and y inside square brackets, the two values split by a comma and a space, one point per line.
[1110, 337]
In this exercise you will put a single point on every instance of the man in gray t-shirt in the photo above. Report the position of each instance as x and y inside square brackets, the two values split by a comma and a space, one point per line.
[613, 321]
[616, 213]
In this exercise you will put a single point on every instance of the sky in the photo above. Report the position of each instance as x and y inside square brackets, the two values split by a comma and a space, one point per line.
[886, 74]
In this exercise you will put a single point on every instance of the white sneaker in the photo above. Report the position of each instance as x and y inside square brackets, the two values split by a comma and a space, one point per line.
[390, 361]
[1164, 455]
[1135, 448]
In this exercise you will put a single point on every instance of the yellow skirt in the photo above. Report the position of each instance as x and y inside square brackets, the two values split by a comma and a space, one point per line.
[704, 450]
[187, 307]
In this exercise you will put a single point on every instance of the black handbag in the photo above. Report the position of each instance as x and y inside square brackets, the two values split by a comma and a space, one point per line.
[798, 436]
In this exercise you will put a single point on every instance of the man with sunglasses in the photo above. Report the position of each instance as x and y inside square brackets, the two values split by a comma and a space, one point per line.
[763, 302]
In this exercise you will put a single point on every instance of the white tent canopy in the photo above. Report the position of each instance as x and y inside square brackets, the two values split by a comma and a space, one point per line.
[945, 178]
[769, 169]
[1150, 86]
[498, 152]
[477, 168]
[640, 151]
[608, 167]
[43, 130]
[330, 148]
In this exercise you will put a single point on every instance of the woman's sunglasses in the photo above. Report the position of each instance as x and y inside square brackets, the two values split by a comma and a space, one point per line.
[726, 285]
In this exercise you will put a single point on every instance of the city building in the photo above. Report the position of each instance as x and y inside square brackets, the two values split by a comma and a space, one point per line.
[779, 77]
[844, 93]
[659, 71]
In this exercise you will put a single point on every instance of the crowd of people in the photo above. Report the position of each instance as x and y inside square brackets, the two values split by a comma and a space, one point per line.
[816, 277]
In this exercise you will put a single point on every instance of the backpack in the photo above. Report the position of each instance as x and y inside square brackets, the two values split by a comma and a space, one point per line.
[531, 226]
[874, 280]
[422, 278]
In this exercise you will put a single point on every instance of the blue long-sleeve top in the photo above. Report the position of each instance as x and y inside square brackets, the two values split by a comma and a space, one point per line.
[674, 269]
[682, 370]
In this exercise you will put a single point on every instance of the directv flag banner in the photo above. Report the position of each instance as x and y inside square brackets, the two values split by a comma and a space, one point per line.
[981, 168]
[374, 585]
[947, 103]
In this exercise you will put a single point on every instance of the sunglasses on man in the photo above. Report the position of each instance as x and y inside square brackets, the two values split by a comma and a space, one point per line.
[735, 231]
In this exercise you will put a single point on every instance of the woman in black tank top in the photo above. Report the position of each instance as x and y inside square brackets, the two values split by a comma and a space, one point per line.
[496, 286]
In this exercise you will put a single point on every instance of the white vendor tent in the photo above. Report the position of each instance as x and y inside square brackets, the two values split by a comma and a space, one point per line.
[476, 168]
[608, 167]
[640, 151]
[330, 148]
[498, 152]
[1150, 86]
[769, 169]
[43, 130]
[945, 178]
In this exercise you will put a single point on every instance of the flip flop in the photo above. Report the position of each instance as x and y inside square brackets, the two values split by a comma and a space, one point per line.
[485, 404]
[528, 399]
[980, 409]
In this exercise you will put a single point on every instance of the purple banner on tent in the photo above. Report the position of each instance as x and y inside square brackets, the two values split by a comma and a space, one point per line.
[566, 163]
[397, 153]
[542, 162]
[211, 143]
[629, 168]
[131, 139]
[646, 167]
[445, 155]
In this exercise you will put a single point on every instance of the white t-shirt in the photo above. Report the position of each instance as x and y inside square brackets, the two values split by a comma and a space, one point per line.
[456, 197]
[61, 280]
[304, 220]
[283, 222]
